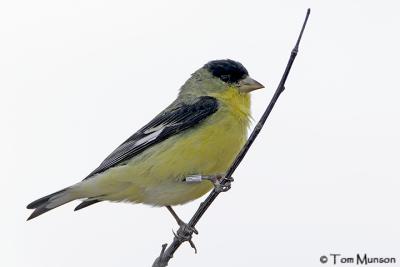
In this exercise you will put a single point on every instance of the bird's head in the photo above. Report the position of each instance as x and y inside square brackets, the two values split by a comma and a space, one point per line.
[218, 76]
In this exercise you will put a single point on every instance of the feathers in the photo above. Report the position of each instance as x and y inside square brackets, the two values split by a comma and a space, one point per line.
[227, 70]
[49, 202]
[155, 176]
[86, 203]
[177, 118]
[199, 133]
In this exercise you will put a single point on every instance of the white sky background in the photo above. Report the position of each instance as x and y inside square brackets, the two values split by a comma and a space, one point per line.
[78, 77]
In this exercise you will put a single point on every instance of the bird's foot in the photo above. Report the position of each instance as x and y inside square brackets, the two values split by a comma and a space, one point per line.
[179, 220]
[192, 229]
[185, 233]
[221, 183]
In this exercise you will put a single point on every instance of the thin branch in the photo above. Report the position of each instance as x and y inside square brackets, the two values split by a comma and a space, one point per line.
[184, 233]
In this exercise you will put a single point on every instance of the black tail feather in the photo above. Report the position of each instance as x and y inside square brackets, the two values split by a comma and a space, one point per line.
[39, 202]
[86, 203]
[48, 202]
[37, 212]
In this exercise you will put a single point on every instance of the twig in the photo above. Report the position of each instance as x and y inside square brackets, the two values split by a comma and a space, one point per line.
[167, 253]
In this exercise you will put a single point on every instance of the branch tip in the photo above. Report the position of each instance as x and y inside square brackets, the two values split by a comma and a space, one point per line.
[302, 30]
[167, 252]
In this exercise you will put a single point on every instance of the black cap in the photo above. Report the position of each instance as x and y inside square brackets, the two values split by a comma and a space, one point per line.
[227, 70]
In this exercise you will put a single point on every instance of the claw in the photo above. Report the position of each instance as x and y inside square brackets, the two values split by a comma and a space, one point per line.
[188, 228]
[192, 229]
[193, 246]
[185, 233]
[218, 186]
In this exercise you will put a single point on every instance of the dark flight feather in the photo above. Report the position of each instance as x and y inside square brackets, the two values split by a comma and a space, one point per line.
[179, 117]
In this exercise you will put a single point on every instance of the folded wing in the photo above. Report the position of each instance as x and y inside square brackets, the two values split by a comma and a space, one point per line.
[174, 120]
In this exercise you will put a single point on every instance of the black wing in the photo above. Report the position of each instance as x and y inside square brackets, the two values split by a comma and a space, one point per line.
[173, 120]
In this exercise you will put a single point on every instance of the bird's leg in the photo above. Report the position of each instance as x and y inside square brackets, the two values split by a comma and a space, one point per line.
[220, 182]
[185, 231]
[179, 221]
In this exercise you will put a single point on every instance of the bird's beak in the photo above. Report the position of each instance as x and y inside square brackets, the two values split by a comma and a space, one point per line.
[248, 84]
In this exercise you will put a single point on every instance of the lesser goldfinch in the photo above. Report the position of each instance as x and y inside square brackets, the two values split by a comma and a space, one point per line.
[200, 133]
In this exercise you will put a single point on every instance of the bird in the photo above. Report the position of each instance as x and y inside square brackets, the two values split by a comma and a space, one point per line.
[198, 135]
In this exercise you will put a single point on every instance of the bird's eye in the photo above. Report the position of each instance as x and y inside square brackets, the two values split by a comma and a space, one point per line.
[225, 77]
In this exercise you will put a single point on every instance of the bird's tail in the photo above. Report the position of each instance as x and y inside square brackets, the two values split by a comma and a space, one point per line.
[50, 202]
